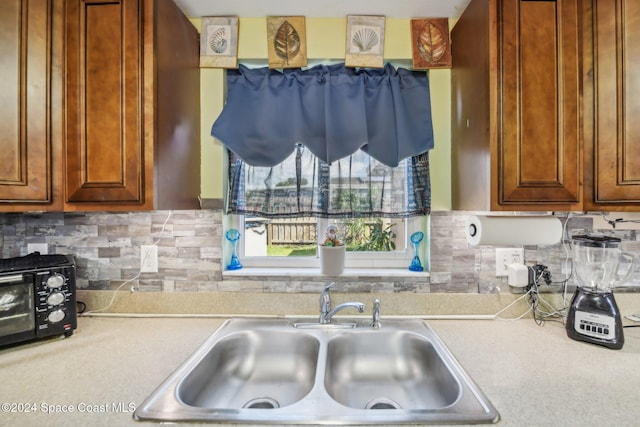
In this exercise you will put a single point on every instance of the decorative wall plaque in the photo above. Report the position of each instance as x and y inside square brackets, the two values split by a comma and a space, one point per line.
[430, 42]
[365, 41]
[219, 42]
[286, 41]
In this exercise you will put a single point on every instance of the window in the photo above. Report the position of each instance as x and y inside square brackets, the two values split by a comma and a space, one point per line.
[283, 211]
[292, 242]
[326, 145]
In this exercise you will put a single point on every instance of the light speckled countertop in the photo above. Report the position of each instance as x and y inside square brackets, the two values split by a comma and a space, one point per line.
[533, 375]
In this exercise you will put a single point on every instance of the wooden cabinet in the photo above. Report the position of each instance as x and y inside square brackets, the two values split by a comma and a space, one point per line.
[516, 116]
[132, 112]
[29, 89]
[612, 105]
[104, 87]
[99, 106]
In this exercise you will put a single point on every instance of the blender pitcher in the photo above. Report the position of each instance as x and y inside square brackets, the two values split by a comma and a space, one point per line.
[596, 260]
[594, 315]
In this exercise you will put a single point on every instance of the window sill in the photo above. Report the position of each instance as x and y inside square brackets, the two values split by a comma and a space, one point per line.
[315, 272]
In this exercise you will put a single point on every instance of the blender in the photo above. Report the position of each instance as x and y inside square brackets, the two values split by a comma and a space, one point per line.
[594, 316]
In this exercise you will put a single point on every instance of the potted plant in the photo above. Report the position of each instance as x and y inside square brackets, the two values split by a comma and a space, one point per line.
[332, 251]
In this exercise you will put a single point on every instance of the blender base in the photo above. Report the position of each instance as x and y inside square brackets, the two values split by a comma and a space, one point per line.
[594, 317]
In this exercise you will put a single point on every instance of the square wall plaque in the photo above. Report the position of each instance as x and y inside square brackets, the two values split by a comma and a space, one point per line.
[286, 41]
[430, 43]
[219, 42]
[365, 41]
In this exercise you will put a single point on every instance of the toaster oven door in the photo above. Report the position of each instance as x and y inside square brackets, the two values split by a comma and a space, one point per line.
[17, 314]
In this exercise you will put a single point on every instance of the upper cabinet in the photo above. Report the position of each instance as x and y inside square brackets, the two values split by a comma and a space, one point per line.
[516, 116]
[100, 106]
[612, 104]
[105, 147]
[29, 90]
[545, 105]
[132, 110]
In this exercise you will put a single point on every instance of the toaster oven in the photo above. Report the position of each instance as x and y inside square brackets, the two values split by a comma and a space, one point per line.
[37, 297]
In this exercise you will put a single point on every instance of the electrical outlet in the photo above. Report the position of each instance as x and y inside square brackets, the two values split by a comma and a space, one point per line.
[506, 256]
[148, 259]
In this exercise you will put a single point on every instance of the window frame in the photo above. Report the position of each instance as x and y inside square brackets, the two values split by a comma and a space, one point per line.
[400, 258]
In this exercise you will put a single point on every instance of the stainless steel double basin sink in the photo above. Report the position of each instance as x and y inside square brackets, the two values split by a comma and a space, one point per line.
[286, 372]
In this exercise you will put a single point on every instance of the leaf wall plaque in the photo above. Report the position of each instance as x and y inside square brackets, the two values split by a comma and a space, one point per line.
[286, 37]
[286, 42]
[430, 43]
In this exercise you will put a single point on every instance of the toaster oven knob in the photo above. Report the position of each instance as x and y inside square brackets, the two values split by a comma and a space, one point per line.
[55, 298]
[55, 281]
[56, 316]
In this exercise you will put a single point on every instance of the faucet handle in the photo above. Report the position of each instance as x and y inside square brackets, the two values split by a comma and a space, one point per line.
[324, 295]
[325, 298]
[375, 322]
[325, 301]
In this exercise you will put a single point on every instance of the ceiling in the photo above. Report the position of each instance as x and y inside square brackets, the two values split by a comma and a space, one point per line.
[324, 8]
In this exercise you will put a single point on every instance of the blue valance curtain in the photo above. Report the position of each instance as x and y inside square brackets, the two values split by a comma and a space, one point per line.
[329, 141]
[332, 110]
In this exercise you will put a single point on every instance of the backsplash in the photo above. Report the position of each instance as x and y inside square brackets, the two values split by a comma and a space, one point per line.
[107, 251]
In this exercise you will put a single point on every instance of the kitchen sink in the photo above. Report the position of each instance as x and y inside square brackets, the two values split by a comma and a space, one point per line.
[276, 372]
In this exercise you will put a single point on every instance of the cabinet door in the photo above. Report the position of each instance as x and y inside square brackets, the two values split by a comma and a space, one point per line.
[616, 151]
[25, 102]
[539, 138]
[104, 122]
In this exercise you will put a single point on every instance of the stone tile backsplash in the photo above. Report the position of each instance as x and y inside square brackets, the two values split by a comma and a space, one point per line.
[106, 248]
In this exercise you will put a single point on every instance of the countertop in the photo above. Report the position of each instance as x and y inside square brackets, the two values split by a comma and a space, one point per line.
[534, 375]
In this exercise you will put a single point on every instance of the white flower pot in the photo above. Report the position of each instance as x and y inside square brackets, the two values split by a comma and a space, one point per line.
[331, 259]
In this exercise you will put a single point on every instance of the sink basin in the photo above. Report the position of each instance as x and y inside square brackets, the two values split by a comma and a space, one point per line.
[276, 372]
[388, 370]
[251, 370]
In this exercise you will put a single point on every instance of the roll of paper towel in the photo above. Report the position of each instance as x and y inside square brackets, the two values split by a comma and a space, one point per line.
[513, 230]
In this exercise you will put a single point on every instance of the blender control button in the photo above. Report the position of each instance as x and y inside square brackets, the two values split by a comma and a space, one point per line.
[581, 325]
[606, 331]
[599, 330]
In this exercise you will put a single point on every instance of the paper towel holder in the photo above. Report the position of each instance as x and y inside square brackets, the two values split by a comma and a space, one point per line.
[517, 230]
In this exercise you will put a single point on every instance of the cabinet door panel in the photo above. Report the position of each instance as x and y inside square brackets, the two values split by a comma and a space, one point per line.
[103, 87]
[25, 102]
[539, 145]
[617, 141]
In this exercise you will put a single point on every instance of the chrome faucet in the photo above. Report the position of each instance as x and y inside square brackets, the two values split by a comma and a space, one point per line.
[375, 322]
[327, 313]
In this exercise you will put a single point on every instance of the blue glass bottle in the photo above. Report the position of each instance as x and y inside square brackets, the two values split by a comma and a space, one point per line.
[416, 238]
[233, 236]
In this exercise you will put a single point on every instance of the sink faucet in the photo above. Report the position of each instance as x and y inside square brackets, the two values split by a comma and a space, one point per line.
[327, 313]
